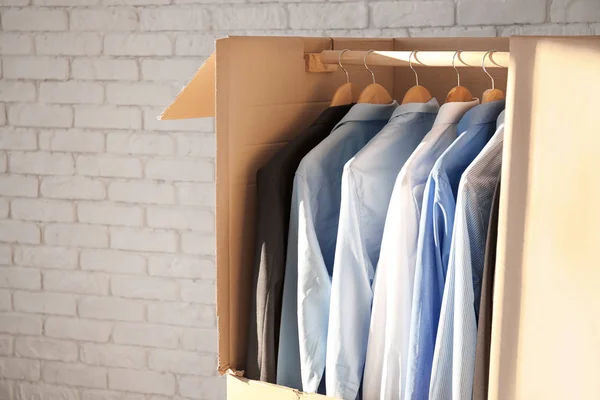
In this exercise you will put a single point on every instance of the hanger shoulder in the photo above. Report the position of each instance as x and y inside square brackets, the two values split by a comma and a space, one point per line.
[459, 94]
[375, 94]
[343, 95]
[492, 95]
[417, 94]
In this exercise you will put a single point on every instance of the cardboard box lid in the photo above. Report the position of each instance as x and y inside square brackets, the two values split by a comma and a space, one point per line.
[197, 98]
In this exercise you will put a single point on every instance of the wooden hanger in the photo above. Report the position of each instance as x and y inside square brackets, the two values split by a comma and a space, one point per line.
[458, 93]
[417, 93]
[343, 94]
[374, 93]
[492, 94]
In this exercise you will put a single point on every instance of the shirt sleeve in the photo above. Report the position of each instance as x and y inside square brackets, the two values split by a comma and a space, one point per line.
[314, 288]
[443, 220]
[469, 258]
[454, 356]
[351, 297]
[422, 332]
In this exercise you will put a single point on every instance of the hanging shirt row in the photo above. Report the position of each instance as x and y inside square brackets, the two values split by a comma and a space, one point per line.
[375, 253]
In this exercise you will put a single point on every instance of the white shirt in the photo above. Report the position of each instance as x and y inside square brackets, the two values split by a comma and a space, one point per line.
[385, 367]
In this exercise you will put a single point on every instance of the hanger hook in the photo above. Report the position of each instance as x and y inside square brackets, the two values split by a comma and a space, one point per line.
[454, 66]
[342, 67]
[414, 52]
[367, 67]
[485, 70]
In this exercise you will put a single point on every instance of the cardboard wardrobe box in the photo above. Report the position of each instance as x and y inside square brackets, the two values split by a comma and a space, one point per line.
[546, 330]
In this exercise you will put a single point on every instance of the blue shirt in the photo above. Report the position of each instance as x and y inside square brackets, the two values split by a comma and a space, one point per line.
[435, 235]
[314, 219]
[367, 184]
[454, 354]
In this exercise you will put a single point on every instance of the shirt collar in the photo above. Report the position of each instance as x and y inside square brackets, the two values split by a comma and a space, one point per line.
[369, 112]
[431, 106]
[451, 113]
[481, 114]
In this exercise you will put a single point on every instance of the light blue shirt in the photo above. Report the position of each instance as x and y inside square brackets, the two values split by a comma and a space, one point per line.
[454, 355]
[367, 184]
[435, 235]
[314, 219]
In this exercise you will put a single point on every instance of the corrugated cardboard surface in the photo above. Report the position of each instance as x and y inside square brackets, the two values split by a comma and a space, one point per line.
[546, 338]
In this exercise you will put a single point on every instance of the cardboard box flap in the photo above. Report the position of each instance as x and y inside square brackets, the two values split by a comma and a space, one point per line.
[197, 98]
[242, 388]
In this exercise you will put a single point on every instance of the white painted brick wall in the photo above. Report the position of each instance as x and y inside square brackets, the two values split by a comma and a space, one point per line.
[143, 334]
[45, 257]
[76, 282]
[18, 139]
[42, 210]
[118, 167]
[111, 308]
[112, 261]
[34, 67]
[39, 115]
[45, 303]
[76, 187]
[75, 44]
[20, 278]
[46, 349]
[74, 374]
[71, 140]
[142, 381]
[113, 355]
[107, 242]
[18, 368]
[6, 345]
[77, 329]
[5, 305]
[14, 43]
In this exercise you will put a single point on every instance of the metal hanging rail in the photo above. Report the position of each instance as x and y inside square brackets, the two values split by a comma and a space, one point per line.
[327, 60]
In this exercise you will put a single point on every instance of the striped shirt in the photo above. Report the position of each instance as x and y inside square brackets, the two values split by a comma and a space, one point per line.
[454, 355]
